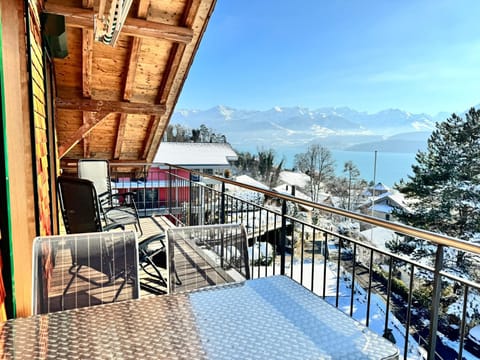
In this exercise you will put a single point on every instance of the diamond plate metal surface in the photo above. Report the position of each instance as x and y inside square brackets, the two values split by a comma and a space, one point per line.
[264, 318]
[276, 318]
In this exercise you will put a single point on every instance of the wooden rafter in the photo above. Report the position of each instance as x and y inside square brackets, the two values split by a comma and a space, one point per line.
[176, 54]
[92, 122]
[87, 60]
[87, 4]
[88, 118]
[83, 18]
[109, 106]
[130, 78]
[122, 124]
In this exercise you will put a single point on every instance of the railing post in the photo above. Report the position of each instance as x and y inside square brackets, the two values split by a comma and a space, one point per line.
[145, 178]
[283, 237]
[222, 205]
[190, 196]
[170, 190]
[437, 292]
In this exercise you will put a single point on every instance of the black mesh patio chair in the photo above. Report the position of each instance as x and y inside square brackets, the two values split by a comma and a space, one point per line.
[115, 207]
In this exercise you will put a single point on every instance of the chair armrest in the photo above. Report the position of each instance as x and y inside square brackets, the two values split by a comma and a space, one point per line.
[143, 244]
[113, 226]
[125, 198]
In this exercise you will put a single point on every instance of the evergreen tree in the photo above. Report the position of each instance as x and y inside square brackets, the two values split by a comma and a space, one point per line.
[444, 191]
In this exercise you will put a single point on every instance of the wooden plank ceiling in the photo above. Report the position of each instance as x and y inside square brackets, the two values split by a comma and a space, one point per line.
[114, 102]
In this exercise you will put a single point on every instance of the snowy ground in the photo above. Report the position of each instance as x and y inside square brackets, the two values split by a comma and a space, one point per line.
[377, 305]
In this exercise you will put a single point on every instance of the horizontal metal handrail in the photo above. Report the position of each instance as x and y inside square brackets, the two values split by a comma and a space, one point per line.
[282, 242]
[436, 238]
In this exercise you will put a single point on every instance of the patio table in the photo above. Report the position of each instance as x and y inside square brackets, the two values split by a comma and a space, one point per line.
[273, 317]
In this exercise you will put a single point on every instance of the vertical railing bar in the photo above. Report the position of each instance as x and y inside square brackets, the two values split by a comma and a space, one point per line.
[190, 196]
[301, 255]
[170, 190]
[222, 204]
[337, 291]
[275, 239]
[222, 248]
[325, 256]
[369, 293]
[252, 271]
[464, 322]
[437, 291]
[145, 176]
[283, 237]
[267, 235]
[409, 311]
[312, 282]
[259, 239]
[292, 250]
[352, 293]
[389, 289]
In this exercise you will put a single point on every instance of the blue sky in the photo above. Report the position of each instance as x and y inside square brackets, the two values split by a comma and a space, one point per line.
[414, 55]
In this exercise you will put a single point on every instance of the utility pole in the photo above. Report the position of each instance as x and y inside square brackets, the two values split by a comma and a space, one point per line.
[374, 180]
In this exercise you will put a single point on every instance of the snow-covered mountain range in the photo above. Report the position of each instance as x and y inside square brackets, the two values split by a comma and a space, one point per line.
[342, 128]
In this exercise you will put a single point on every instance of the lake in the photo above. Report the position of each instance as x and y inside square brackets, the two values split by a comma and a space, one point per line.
[391, 167]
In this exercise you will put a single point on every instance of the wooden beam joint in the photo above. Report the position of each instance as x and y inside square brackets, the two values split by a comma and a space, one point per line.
[108, 106]
[84, 18]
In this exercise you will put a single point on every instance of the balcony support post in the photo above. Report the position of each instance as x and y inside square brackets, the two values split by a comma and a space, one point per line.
[170, 190]
[437, 292]
[222, 205]
[145, 178]
[283, 237]
[190, 199]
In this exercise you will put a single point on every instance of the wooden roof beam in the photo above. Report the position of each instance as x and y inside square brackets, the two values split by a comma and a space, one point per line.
[87, 60]
[83, 131]
[130, 78]
[109, 106]
[176, 53]
[83, 18]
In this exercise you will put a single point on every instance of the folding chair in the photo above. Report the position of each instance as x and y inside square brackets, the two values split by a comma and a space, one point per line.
[153, 257]
[78, 270]
[113, 206]
[81, 210]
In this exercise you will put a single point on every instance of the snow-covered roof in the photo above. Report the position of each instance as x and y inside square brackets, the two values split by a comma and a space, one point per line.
[378, 188]
[396, 198]
[247, 180]
[381, 187]
[294, 178]
[377, 236]
[195, 154]
[298, 194]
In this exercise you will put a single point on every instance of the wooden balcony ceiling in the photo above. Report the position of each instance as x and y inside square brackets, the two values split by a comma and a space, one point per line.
[114, 102]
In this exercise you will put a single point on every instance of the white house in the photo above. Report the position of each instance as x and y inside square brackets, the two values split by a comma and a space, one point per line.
[382, 206]
[210, 158]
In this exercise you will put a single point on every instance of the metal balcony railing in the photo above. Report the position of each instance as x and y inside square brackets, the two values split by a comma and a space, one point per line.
[423, 304]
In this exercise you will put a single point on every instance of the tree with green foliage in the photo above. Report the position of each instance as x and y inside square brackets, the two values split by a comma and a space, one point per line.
[262, 166]
[444, 190]
[318, 163]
